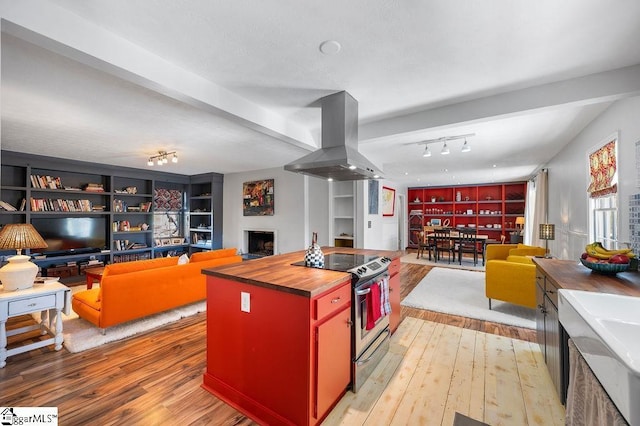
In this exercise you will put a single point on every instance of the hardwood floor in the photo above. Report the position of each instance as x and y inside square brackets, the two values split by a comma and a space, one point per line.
[438, 364]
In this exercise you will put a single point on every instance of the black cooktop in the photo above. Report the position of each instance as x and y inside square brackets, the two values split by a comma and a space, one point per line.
[343, 261]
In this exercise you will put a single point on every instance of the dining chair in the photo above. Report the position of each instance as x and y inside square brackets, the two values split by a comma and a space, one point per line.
[468, 243]
[443, 243]
[426, 242]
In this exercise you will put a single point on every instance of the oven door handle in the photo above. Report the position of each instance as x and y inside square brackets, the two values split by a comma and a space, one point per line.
[363, 292]
[364, 361]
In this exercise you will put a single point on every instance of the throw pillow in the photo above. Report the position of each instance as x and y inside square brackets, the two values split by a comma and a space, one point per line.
[183, 260]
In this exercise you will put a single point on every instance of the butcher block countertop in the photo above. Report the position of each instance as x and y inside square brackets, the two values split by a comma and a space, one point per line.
[277, 271]
[572, 275]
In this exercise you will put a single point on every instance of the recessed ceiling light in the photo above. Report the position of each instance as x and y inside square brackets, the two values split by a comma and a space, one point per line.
[330, 47]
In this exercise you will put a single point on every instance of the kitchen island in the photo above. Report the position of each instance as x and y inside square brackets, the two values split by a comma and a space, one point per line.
[279, 336]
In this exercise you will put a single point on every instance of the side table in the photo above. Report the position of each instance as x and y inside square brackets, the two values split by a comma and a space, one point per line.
[93, 274]
[51, 300]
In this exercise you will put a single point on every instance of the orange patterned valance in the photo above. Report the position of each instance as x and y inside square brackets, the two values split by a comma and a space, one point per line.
[603, 172]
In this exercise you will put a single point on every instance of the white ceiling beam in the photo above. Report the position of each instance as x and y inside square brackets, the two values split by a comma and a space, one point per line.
[54, 28]
[595, 88]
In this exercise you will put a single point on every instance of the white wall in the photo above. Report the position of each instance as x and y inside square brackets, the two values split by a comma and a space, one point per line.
[300, 208]
[568, 177]
[381, 232]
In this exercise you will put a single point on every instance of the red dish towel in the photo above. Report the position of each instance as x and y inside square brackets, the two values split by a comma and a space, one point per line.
[373, 306]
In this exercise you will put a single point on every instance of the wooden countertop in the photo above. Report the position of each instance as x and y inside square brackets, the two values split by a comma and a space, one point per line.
[572, 275]
[277, 271]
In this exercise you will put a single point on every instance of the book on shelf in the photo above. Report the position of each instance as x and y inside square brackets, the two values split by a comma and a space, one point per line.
[46, 182]
[6, 206]
[94, 187]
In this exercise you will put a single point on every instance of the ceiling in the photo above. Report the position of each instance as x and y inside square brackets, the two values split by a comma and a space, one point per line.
[234, 86]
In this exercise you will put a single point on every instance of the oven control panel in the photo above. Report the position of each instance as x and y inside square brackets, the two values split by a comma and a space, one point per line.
[373, 268]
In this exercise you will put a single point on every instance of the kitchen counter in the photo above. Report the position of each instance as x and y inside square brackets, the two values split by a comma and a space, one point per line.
[553, 275]
[277, 272]
[572, 275]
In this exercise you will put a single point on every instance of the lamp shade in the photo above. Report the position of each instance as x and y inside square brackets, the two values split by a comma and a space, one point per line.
[547, 231]
[20, 236]
[519, 221]
[19, 273]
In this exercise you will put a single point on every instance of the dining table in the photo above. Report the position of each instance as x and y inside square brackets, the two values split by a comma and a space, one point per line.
[455, 236]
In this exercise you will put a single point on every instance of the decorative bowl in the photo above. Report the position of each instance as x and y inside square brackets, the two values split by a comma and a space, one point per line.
[606, 268]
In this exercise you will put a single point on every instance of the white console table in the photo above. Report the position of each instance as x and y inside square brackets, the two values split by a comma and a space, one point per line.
[48, 299]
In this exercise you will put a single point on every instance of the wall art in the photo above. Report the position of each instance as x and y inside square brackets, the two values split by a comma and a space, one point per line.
[257, 198]
[388, 201]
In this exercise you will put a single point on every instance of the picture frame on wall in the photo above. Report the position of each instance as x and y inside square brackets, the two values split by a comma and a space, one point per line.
[388, 202]
[258, 198]
[436, 222]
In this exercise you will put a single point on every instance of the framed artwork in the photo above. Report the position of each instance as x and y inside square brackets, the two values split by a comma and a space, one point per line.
[158, 242]
[166, 241]
[388, 201]
[257, 198]
[167, 199]
[436, 222]
[167, 224]
[177, 241]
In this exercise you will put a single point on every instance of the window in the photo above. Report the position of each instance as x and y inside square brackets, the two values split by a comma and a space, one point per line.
[604, 220]
[603, 197]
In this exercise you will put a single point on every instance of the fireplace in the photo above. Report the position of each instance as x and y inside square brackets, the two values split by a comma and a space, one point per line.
[259, 243]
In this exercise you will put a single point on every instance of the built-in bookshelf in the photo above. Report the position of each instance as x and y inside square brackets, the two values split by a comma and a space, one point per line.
[120, 206]
[205, 194]
[492, 209]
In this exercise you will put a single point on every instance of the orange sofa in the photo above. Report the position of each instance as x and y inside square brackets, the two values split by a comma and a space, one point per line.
[132, 290]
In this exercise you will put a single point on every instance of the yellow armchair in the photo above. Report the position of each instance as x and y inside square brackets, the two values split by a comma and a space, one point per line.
[511, 274]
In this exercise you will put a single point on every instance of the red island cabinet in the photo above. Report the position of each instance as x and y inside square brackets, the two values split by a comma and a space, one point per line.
[285, 362]
[394, 294]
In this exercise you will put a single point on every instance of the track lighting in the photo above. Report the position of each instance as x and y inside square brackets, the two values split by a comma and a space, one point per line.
[162, 158]
[445, 147]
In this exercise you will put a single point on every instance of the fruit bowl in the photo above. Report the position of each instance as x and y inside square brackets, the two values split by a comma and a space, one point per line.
[606, 268]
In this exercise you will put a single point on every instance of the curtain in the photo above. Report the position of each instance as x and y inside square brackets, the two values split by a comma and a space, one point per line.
[587, 401]
[536, 213]
[603, 172]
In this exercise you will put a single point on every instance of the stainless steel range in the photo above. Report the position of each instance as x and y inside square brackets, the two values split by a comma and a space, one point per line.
[369, 332]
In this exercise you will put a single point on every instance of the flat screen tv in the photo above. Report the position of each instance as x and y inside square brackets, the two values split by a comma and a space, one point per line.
[68, 235]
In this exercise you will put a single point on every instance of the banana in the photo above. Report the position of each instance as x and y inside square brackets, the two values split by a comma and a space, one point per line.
[593, 253]
[596, 250]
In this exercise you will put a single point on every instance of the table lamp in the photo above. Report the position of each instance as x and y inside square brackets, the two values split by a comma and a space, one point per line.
[520, 222]
[547, 232]
[19, 273]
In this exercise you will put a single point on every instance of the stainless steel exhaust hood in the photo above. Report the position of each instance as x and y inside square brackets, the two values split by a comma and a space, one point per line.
[338, 159]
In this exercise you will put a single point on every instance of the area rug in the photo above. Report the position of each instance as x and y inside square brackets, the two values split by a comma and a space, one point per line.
[467, 264]
[80, 335]
[459, 292]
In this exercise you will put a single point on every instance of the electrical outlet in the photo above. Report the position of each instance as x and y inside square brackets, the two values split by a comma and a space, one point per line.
[245, 302]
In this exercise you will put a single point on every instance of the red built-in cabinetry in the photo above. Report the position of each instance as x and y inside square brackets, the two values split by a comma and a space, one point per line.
[286, 361]
[492, 208]
[394, 294]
